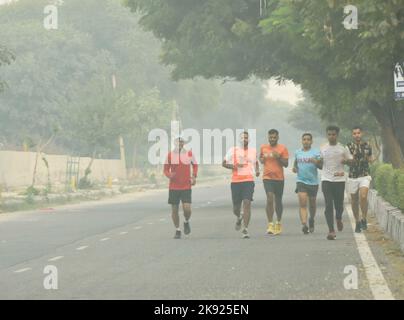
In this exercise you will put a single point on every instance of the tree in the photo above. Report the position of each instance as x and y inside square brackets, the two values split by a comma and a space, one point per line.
[5, 58]
[345, 71]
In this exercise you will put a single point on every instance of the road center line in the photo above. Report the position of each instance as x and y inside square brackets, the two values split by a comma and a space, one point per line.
[104, 239]
[137, 228]
[377, 282]
[81, 248]
[123, 232]
[56, 258]
[22, 270]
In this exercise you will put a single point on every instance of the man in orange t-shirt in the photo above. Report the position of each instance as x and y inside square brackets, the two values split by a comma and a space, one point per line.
[243, 162]
[274, 157]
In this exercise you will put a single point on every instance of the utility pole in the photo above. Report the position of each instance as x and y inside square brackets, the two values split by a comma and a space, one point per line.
[121, 142]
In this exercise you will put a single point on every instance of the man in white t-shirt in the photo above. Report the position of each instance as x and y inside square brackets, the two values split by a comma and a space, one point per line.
[334, 156]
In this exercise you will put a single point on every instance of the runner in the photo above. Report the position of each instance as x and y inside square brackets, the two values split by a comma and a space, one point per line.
[274, 157]
[307, 161]
[178, 169]
[242, 160]
[359, 177]
[334, 157]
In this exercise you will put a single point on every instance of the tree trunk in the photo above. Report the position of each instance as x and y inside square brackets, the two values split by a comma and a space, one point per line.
[390, 139]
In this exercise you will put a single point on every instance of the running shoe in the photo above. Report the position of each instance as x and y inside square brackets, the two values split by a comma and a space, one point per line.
[238, 223]
[187, 228]
[245, 234]
[278, 227]
[358, 227]
[311, 225]
[177, 234]
[364, 224]
[340, 225]
[271, 228]
[305, 229]
[331, 236]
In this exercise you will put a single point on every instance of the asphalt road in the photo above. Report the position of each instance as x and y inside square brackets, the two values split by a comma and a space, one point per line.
[124, 249]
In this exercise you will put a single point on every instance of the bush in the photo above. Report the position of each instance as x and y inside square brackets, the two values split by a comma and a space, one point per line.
[389, 183]
[384, 179]
[399, 186]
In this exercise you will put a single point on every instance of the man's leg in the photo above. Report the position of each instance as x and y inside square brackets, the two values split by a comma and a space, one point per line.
[270, 206]
[312, 209]
[363, 198]
[187, 211]
[303, 207]
[247, 212]
[278, 200]
[339, 193]
[175, 216]
[355, 205]
[329, 207]
[186, 206]
[278, 206]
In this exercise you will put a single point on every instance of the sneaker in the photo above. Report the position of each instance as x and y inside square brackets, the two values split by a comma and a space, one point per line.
[278, 228]
[340, 225]
[364, 224]
[177, 234]
[245, 234]
[187, 228]
[311, 225]
[271, 228]
[238, 224]
[358, 227]
[331, 236]
[305, 229]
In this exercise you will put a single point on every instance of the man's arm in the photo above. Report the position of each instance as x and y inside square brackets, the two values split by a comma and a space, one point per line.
[227, 165]
[257, 168]
[167, 168]
[294, 169]
[195, 168]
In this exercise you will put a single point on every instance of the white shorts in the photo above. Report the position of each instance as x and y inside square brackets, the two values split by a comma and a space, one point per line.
[354, 185]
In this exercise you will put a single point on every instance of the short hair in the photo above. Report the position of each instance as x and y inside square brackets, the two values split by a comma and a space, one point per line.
[307, 134]
[273, 131]
[244, 132]
[333, 128]
[357, 127]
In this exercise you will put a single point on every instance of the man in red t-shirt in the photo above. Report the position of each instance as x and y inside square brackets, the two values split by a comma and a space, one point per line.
[177, 168]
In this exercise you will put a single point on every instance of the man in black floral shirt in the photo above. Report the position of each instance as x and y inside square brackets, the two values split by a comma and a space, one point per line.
[359, 177]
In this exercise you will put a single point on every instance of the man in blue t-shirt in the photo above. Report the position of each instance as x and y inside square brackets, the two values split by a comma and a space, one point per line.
[306, 165]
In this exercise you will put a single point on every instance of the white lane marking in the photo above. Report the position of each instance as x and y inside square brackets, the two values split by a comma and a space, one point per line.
[56, 258]
[377, 282]
[81, 248]
[22, 270]
[104, 239]
[162, 220]
[137, 228]
[123, 232]
[150, 223]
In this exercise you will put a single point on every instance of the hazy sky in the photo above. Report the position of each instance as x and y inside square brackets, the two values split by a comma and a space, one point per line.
[288, 92]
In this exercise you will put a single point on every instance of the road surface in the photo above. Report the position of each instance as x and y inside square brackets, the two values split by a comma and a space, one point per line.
[124, 249]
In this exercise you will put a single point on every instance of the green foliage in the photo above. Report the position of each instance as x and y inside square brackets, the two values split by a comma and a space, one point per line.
[347, 72]
[383, 179]
[389, 183]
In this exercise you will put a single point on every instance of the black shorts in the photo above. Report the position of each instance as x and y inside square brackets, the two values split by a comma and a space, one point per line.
[311, 190]
[175, 196]
[274, 186]
[242, 191]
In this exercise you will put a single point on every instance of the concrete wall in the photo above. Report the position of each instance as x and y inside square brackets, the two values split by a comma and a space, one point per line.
[16, 169]
[390, 218]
